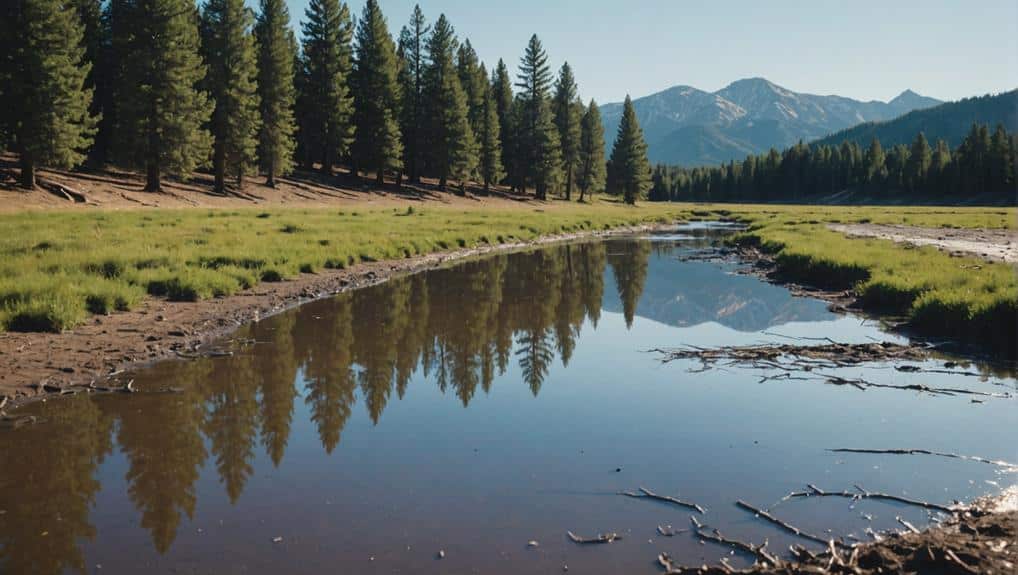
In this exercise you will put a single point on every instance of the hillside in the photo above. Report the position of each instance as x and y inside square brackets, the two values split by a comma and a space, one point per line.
[687, 126]
[949, 122]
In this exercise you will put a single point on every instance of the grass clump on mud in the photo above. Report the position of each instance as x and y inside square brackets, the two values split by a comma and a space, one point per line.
[940, 295]
[58, 267]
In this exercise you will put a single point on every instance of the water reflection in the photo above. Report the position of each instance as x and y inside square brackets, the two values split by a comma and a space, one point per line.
[459, 328]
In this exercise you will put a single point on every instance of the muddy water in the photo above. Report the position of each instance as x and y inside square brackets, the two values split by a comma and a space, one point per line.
[474, 409]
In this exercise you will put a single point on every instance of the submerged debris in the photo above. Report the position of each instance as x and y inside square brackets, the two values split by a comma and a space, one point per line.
[647, 493]
[600, 538]
[996, 462]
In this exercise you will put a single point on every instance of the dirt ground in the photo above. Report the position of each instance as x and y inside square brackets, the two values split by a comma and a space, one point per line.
[991, 245]
[118, 189]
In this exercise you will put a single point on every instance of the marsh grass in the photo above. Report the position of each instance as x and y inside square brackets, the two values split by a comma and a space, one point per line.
[941, 295]
[56, 267]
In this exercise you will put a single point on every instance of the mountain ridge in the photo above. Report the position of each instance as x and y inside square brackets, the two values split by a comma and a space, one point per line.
[684, 125]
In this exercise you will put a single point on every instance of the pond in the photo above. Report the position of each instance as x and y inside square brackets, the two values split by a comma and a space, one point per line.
[447, 421]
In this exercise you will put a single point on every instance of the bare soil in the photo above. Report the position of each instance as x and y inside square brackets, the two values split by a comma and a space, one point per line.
[988, 244]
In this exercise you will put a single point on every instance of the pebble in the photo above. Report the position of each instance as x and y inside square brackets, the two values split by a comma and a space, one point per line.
[533, 544]
[441, 554]
[277, 539]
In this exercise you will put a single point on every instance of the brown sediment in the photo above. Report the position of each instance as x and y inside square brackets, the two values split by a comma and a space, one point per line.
[34, 365]
[982, 539]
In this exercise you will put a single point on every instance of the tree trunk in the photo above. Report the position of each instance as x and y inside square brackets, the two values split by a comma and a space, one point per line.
[569, 182]
[270, 176]
[399, 180]
[380, 178]
[152, 183]
[219, 168]
[442, 182]
[487, 186]
[27, 172]
[240, 178]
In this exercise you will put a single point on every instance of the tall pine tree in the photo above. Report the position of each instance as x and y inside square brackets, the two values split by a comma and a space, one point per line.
[567, 120]
[378, 145]
[490, 140]
[412, 44]
[327, 125]
[538, 146]
[90, 13]
[474, 81]
[502, 92]
[229, 48]
[450, 139]
[590, 176]
[277, 51]
[46, 97]
[159, 107]
[629, 168]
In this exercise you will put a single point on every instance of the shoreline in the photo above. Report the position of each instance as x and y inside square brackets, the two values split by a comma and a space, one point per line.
[40, 365]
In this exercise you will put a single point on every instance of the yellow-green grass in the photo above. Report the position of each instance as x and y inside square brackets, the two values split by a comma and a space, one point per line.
[57, 267]
[944, 296]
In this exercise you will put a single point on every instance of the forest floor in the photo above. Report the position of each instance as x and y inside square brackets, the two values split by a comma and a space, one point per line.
[998, 245]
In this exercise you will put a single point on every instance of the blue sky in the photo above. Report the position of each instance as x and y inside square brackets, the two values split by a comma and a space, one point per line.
[863, 49]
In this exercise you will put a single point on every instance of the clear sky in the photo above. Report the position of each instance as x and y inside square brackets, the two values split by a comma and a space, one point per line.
[863, 49]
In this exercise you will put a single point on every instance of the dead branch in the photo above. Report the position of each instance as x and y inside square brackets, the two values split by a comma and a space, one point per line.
[814, 491]
[669, 531]
[782, 524]
[758, 551]
[996, 462]
[906, 524]
[58, 189]
[600, 539]
[646, 493]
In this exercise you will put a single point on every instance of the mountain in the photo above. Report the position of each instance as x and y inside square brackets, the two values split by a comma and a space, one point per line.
[691, 127]
[949, 122]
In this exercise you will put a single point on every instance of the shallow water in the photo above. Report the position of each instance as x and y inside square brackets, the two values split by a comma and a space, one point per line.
[476, 408]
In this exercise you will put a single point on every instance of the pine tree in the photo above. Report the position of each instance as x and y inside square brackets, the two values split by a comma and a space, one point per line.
[328, 126]
[90, 13]
[875, 158]
[277, 52]
[502, 92]
[378, 145]
[1001, 170]
[412, 40]
[539, 148]
[160, 110]
[919, 160]
[490, 142]
[450, 139]
[567, 120]
[474, 81]
[629, 168]
[46, 98]
[590, 176]
[229, 48]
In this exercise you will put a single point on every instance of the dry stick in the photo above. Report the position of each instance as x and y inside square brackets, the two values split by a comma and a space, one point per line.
[759, 551]
[997, 462]
[601, 538]
[906, 524]
[670, 532]
[647, 493]
[782, 524]
[863, 494]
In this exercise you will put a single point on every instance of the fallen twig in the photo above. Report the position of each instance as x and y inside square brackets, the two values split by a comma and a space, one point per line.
[601, 538]
[646, 493]
[996, 462]
[782, 524]
[815, 491]
[669, 531]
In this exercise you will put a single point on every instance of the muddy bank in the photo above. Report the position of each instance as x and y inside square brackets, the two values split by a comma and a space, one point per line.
[34, 365]
[988, 244]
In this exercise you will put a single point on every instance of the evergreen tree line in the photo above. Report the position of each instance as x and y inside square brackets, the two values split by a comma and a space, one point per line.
[983, 164]
[161, 86]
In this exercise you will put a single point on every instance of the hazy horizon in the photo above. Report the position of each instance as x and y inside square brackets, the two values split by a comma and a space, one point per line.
[865, 49]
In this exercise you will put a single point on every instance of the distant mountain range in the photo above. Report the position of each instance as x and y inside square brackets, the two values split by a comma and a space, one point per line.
[949, 122]
[691, 127]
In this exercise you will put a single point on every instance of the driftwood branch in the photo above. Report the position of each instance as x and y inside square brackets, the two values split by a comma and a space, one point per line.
[996, 462]
[599, 539]
[782, 524]
[814, 491]
[646, 493]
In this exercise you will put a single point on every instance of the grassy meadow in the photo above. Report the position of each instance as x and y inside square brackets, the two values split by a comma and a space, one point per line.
[58, 267]
[941, 295]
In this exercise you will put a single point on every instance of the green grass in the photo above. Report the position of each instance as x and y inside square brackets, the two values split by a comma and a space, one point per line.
[57, 267]
[942, 296]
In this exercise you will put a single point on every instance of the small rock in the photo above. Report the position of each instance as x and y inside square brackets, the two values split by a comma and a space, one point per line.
[441, 554]
[618, 470]
[277, 539]
[533, 544]
[565, 568]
